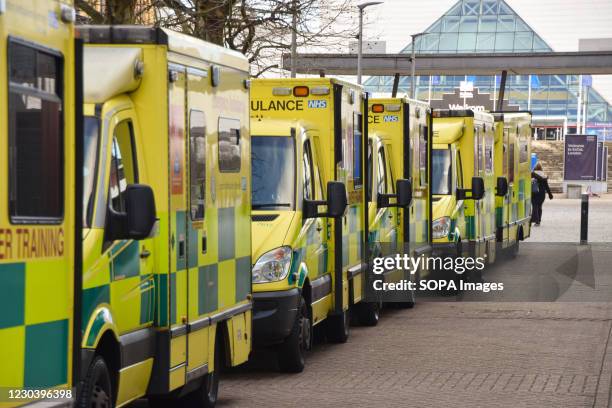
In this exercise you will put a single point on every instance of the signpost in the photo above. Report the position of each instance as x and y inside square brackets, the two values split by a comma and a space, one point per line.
[580, 158]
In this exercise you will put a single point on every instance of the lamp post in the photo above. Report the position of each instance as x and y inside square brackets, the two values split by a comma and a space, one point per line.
[413, 65]
[362, 6]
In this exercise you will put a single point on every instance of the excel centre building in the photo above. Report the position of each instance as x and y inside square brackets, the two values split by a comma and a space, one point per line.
[560, 104]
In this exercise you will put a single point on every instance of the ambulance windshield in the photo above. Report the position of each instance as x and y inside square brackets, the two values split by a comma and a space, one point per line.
[90, 150]
[273, 167]
[441, 172]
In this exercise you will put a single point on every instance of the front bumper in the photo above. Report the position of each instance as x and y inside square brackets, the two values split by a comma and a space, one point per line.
[273, 315]
[444, 249]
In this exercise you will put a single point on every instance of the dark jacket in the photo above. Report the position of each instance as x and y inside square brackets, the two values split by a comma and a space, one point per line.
[543, 186]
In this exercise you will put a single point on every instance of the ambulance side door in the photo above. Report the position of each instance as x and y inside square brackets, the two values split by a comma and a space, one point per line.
[131, 266]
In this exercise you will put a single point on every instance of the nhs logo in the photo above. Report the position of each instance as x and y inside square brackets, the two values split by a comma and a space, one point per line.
[391, 118]
[317, 104]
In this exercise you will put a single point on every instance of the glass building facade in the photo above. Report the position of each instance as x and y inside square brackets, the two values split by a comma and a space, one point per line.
[492, 26]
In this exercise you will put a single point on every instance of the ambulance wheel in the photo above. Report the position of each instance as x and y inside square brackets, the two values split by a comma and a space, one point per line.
[514, 250]
[337, 327]
[208, 392]
[291, 353]
[368, 313]
[97, 390]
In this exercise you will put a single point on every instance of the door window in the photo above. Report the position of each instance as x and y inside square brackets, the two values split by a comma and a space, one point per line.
[123, 165]
[307, 173]
[381, 177]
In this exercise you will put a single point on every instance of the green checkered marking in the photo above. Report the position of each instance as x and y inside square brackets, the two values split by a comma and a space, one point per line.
[46, 354]
[12, 295]
[243, 278]
[499, 216]
[227, 234]
[208, 285]
[161, 304]
[471, 226]
[147, 297]
[92, 297]
[126, 264]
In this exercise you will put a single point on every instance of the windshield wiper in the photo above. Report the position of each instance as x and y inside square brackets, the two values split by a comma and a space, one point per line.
[263, 205]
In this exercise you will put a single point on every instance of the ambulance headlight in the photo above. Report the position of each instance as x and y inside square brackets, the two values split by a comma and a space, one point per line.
[272, 266]
[440, 227]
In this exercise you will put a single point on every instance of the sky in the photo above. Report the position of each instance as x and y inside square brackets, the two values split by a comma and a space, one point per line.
[561, 23]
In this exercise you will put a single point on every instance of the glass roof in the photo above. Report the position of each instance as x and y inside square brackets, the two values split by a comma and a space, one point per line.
[479, 26]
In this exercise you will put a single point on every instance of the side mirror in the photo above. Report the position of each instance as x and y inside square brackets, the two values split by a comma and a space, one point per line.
[336, 202]
[502, 187]
[336, 199]
[403, 196]
[478, 188]
[139, 219]
[404, 192]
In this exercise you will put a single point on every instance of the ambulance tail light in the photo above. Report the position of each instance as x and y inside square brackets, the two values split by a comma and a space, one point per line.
[301, 91]
[393, 107]
[319, 90]
[378, 108]
[281, 91]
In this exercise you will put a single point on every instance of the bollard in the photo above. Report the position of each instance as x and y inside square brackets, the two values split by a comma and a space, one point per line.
[584, 219]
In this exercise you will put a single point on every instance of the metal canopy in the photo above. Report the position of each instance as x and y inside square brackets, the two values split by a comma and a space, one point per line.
[592, 62]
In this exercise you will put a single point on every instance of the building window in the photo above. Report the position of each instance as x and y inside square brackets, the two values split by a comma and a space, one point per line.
[36, 139]
[229, 145]
[197, 163]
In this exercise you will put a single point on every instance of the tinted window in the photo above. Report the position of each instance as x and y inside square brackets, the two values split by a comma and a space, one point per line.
[381, 178]
[229, 145]
[273, 167]
[35, 125]
[197, 163]
[307, 173]
[123, 165]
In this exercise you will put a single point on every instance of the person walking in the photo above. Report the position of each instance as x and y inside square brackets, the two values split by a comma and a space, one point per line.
[539, 189]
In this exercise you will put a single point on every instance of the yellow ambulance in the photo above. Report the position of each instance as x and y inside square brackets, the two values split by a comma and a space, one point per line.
[463, 184]
[513, 172]
[308, 214]
[403, 128]
[167, 249]
[40, 254]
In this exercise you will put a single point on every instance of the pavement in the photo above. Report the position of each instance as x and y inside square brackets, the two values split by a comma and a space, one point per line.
[561, 220]
[545, 341]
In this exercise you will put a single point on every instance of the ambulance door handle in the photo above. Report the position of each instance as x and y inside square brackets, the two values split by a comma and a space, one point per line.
[319, 227]
[145, 253]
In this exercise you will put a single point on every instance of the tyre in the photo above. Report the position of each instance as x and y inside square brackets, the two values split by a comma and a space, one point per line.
[207, 394]
[337, 327]
[97, 389]
[368, 313]
[291, 353]
[514, 250]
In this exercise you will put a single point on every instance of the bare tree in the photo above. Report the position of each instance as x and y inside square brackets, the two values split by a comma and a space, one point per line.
[115, 11]
[260, 29]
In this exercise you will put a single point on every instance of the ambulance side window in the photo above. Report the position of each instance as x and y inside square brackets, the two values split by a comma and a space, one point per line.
[197, 164]
[35, 135]
[123, 165]
[229, 145]
[308, 180]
